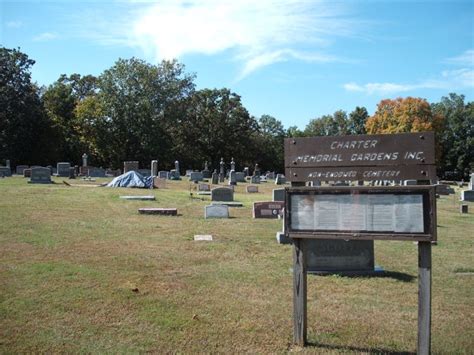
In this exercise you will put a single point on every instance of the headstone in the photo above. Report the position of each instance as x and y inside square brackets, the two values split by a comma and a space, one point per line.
[232, 164]
[63, 169]
[215, 178]
[256, 171]
[109, 172]
[278, 195]
[5, 171]
[222, 194]
[20, 168]
[163, 174]
[246, 171]
[7, 163]
[255, 179]
[206, 173]
[72, 173]
[203, 237]
[95, 172]
[270, 175]
[232, 178]
[159, 211]
[27, 172]
[40, 176]
[268, 209]
[216, 211]
[221, 170]
[83, 170]
[464, 208]
[84, 159]
[252, 189]
[130, 166]
[154, 168]
[280, 179]
[467, 195]
[174, 175]
[204, 187]
[470, 186]
[139, 198]
[239, 176]
[329, 256]
[281, 237]
[196, 176]
[188, 172]
[159, 183]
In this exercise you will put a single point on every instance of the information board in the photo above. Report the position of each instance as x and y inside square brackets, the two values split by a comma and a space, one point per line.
[358, 212]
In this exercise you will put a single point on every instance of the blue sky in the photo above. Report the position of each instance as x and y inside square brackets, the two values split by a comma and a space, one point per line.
[292, 59]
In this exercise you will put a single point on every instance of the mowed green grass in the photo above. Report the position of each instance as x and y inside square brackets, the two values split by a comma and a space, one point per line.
[82, 271]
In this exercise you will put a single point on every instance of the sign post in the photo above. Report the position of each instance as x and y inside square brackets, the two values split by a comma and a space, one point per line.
[361, 212]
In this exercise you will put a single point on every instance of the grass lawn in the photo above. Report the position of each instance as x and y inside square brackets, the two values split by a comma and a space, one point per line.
[82, 271]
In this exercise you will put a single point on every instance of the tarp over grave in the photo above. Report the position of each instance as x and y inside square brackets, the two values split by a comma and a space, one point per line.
[132, 179]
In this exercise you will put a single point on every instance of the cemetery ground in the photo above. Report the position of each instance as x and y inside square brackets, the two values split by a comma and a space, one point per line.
[82, 271]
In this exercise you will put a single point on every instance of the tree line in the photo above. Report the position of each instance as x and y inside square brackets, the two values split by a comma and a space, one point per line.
[139, 111]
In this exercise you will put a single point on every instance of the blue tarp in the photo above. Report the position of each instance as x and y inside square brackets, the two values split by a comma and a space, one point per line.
[132, 179]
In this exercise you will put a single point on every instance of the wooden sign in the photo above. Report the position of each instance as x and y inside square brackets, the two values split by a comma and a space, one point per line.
[362, 213]
[361, 157]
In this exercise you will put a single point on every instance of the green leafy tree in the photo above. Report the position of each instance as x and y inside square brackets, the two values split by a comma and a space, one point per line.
[269, 143]
[25, 132]
[457, 136]
[328, 125]
[357, 120]
[294, 131]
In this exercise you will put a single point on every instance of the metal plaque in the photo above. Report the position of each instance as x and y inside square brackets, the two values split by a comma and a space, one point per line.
[362, 213]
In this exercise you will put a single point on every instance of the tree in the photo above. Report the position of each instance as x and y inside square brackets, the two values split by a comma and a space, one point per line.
[294, 131]
[24, 129]
[457, 136]
[403, 115]
[269, 143]
[328, 125]
[357, 120]
[215, 125]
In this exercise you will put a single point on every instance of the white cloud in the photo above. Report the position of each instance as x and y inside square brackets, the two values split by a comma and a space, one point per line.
[466, 58]
[14, 24]
[259, 33]
[45, 36]
[453, 79]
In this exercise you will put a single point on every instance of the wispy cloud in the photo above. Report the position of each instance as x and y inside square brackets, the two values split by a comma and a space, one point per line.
[45, 36]
[257, 33]
[14, 24]
[452, 79]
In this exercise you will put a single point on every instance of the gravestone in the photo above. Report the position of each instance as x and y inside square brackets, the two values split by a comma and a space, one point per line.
[159, 211]
[144, 172]
[204, 187]
[72, 173]
[246, 171]
[256, 171]
[278, 195]
[154, 168]
[270, 175]
[252, 189]
[20, 168]
[139, 198]
[467, 195]
[163, 174]
[159, 183]
[216, 211]
[7, 163]
[268, 209]
[222, 194]
[203, 237]
[280, 179]
[84, 159]
[215, 178]
[329, 256]
[27, 172]
[240, 176]
[188, 172]
[83, 170]
[206, 173]
[232, 178]
[464, 209]
[281, 237]
[63, 169]
[196, 176]
[232, 164]
[130, 166]
[5, 171]
[95, 172]
[221, 170]
[470, 185]
[174, 175]
[255, 179]
[40, 176]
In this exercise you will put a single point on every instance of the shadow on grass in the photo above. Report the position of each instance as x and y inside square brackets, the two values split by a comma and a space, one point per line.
[358, 349]
[400, 276]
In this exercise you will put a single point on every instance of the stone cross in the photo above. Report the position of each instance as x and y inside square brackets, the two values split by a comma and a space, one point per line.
[221, 164]
[84, 159]
[256, 171]
[176, 167]
[232, 164]
[206, 166]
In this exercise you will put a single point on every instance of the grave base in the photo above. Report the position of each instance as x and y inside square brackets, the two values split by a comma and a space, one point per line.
[159, 211]
[228, 203]
[204, 193]
[378, 270]
[40, 182]
[139, 198]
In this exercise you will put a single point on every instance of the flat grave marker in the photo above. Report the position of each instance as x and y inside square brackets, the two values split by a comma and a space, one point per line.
[158, 211]
[268, 209]
[139, 198]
